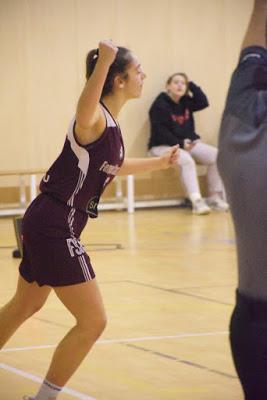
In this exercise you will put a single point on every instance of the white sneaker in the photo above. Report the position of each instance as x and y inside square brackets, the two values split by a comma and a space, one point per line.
[200, 207]
[218, 204]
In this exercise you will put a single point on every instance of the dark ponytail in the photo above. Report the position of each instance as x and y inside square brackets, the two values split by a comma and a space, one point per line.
[118, 67]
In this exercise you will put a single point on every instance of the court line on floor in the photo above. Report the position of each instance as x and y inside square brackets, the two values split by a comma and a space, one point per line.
[47, 321]
[34, 378]
[179, 360]
[177, 291]
[123, 340]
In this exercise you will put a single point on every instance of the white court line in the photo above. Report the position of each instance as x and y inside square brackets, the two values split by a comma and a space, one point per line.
[35, 378]
[125, 340]
[80, 395]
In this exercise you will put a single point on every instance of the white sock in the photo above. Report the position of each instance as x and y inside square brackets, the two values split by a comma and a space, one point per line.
[194, 197]
[48, 390]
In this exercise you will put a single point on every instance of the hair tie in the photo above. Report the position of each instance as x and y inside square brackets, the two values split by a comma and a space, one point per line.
[96, 55]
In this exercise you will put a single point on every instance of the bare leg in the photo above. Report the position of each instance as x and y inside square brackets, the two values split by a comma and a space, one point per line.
[85, 303]
[256, 31]
[28, 299]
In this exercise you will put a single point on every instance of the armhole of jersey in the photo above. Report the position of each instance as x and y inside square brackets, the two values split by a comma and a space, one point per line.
[110, 122]
[90, 145]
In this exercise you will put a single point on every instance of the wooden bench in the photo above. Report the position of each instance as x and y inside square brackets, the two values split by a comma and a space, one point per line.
[162, 188]
[24, 178]
[151, 189]
[27, 182]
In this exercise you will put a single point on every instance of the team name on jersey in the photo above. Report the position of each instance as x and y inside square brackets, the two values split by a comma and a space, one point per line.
[109, 169]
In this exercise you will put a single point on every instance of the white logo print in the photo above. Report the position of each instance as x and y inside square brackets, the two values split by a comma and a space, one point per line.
[46, 178]
[91, 207]
[75, 247]
[107, 181]
[121, 153]
[109, 169]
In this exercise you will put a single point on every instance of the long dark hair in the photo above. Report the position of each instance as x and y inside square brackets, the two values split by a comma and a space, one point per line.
[118, 67]
[181, 74]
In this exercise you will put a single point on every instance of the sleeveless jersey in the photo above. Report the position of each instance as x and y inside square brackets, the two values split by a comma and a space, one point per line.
[80, 174]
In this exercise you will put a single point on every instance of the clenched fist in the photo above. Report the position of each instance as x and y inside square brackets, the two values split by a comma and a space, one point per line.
[107, 51]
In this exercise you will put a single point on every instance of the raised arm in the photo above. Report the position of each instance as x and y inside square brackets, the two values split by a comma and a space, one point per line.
[199, 100]
[90, 121]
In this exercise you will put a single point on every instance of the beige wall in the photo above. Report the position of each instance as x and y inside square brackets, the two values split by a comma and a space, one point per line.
[43, 44]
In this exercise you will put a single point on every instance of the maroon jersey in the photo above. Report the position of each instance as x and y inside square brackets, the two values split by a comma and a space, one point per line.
[80, 174]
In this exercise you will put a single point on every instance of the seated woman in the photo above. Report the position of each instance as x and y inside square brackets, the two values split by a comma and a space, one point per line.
[172, 122]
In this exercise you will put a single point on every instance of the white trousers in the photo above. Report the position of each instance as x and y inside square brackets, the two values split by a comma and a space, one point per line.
[201, 153]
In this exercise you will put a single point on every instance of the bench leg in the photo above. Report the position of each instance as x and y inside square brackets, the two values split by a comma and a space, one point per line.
[130, 194]
[22, 191]
[33, 191]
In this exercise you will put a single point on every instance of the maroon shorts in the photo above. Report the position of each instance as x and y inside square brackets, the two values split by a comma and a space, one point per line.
[52, 252]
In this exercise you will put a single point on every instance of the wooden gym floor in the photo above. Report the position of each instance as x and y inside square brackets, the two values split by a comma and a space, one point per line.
[168, 280]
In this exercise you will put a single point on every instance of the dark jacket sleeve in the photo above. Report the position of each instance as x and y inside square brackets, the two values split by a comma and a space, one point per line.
[199, 100]
[160, 133]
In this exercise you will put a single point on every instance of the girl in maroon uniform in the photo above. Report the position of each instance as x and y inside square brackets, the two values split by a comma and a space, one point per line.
[53, 257]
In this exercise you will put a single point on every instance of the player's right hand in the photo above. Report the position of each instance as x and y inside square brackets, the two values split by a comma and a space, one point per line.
[107, 51]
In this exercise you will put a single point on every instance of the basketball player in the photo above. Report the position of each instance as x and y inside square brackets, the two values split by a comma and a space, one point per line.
[242, 162]
[53, 257]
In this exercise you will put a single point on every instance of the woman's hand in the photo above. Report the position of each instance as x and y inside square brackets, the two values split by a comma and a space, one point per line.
[107, 51]
[188, 144]
[171, 157]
